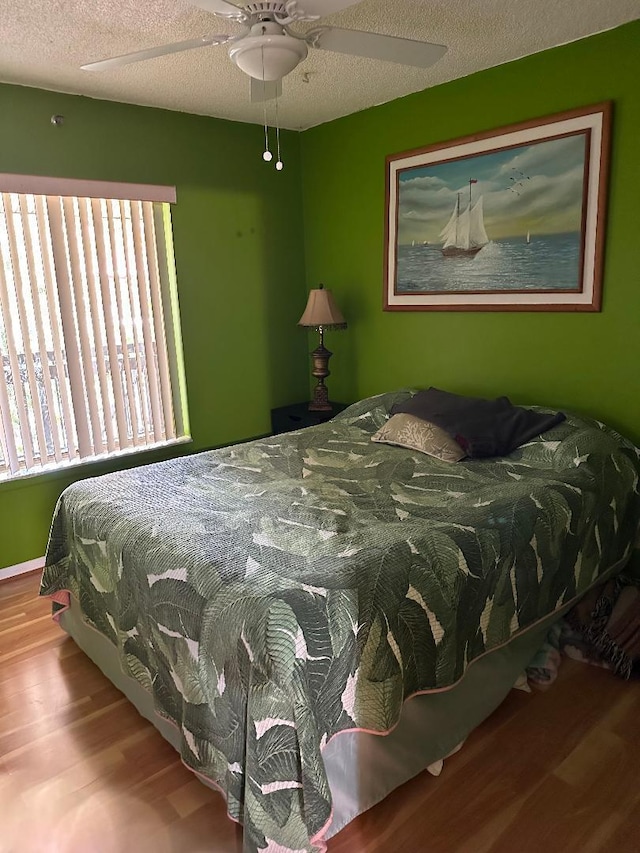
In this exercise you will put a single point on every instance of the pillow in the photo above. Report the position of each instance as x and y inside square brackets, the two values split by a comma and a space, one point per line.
[434, 403]
[415, 434]
[480, 427]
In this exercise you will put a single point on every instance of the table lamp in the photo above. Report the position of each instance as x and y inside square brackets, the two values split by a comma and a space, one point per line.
[321, 313]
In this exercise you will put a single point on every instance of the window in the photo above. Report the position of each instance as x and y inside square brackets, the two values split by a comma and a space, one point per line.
[90, 347]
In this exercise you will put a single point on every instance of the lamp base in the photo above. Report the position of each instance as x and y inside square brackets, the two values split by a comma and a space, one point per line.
[320, 402]
[320, 356]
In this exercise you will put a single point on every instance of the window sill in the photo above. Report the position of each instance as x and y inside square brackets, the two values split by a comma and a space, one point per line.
[75, 468]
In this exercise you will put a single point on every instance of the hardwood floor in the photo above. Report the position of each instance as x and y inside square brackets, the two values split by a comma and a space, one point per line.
[82, 772]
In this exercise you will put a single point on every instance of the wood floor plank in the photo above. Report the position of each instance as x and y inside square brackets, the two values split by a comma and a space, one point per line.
[554, 771]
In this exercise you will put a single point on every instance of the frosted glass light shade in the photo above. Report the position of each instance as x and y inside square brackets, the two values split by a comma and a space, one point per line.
[268, 57]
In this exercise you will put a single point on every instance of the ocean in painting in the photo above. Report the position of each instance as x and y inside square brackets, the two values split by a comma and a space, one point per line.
[549, 262]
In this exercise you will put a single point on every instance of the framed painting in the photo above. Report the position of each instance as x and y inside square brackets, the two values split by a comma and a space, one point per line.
[506, 220]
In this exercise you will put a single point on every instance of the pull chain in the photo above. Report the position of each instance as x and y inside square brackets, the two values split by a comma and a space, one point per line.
[267, 156]
[279, 163]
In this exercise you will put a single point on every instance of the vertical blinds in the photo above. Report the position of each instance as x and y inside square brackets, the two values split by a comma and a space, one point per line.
[89, 340]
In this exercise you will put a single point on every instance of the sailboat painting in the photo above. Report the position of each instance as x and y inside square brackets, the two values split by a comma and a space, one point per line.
[506, 220]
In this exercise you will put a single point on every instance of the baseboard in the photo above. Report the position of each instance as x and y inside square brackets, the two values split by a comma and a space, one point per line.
[22, 568]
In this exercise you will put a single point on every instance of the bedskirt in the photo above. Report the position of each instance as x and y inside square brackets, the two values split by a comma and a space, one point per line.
[362, 768]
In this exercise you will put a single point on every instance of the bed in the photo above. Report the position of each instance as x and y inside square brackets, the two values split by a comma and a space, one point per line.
[272, 606]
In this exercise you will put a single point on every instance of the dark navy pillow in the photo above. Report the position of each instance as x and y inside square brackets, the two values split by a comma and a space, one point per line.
[481, 427]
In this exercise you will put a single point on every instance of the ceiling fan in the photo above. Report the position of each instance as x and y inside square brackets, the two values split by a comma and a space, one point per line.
[267, 50]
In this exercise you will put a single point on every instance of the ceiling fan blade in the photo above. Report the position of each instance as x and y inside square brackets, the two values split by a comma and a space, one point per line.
[221, 7]
[150, 53]
[265, 90]
[422, 54]
[324, 7]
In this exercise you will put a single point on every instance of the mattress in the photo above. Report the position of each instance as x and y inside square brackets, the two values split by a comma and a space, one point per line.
[275, 595]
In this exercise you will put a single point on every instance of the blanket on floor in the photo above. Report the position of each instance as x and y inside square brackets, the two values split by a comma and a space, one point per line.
[608, 618]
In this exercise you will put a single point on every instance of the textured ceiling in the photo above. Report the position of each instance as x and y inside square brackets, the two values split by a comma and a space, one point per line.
[44, 44]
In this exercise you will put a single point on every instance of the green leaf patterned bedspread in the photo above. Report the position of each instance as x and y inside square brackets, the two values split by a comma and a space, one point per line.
[275, 593]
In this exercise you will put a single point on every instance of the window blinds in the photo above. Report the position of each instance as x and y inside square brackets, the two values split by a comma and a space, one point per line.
[89, 340]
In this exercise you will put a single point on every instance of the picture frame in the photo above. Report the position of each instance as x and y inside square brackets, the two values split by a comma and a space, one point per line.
[511, 219]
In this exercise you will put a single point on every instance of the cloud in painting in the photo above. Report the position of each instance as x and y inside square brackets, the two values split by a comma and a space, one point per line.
[552, 158]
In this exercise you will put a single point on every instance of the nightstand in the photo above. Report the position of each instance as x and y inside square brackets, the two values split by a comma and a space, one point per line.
[297, 416]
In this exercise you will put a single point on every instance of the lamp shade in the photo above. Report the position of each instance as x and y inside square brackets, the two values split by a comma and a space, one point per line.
[322, 311]
[269, 52]
[269, 57]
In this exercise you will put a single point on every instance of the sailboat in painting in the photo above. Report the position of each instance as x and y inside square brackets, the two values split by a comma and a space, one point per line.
[464, 234]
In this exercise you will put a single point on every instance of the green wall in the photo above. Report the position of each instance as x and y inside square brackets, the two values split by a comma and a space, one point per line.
[241, 253]
[585, 362]
[240, 266]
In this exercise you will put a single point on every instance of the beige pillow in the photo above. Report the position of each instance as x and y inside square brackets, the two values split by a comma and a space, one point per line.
[416, 434]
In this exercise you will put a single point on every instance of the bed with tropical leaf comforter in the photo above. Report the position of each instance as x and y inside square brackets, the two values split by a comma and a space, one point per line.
[273, 594]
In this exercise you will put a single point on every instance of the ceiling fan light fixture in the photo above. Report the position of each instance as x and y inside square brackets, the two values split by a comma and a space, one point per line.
[268, 57]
